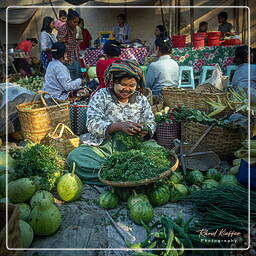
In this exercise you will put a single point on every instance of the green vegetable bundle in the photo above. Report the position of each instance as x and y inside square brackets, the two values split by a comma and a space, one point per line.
[38, 161]
[32, 83]
[135, 165]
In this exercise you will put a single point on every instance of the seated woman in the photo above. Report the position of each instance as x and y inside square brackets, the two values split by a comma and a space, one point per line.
[57, 79]
[240, 79]
[112, 49]
[164, 71]
[118, 107]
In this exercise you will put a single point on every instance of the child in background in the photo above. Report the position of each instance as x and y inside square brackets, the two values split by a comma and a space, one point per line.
[203, 26]
[62, 19]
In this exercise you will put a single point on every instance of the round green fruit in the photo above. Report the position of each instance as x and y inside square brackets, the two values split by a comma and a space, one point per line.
[24, 210]
[178, 192]
[108, 200]
[159, 195]
[26, 233]
[195, 177]
[39, 195]
[141, 211]
[134, 198]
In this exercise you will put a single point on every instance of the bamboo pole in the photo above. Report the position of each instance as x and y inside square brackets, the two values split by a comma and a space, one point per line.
[192, 18]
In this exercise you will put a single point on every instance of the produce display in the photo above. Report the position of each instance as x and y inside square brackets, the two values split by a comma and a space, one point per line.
[32, 83]
[24, 211]
[41, 163]
[39, 195]
[108, 200]
[27, 234]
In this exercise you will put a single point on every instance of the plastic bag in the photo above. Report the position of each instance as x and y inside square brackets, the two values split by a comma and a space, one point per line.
[217, 79]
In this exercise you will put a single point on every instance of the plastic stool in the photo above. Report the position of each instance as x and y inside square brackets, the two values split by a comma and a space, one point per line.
[191, 82]
[230, 69]
[204, 71]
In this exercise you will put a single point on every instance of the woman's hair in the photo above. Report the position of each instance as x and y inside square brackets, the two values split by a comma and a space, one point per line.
[164, 44]
[241, 54]
[80, 20]
[119, 75]
[62, 13]
[112, 48]
[163, 32]
[223, 15]
[58, 50]
[72, 14]
[122, 16]
[203, 23]
[33, 40]
[46, 24]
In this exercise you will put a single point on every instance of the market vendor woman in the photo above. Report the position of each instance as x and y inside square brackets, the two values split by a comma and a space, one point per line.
[118, 107]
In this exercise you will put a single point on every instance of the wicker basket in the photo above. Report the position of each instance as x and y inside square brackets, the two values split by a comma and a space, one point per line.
[37, 119]
[157, 108]
[174, 161]
[190, 98]
[14, 240]
[166, 133]
[63, 142]
[223, 141]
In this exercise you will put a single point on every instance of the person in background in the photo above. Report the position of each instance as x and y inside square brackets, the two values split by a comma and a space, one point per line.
[203, 26]
[57, 79]
[23, 63]
[62, 19]
[225, 27]
[67, 35]
[112, 50]
[240, 80]
[160, 31]
[122, 31]
[86, 43]
[119, 107]
[164, 71]
[47, 39]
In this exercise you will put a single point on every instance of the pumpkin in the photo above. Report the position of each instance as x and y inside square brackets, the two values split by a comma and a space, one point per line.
[178, 192]
[108, 200]
[69, 186]
[24, 210]
[45, 218]
[159, 195]
[195, 177]
[134, 198]
[21, 190]
[26, 233]
[123, 193]
[141, 211]
[39, 195]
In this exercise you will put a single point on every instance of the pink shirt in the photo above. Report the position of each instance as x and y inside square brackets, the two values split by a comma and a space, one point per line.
[58, 24]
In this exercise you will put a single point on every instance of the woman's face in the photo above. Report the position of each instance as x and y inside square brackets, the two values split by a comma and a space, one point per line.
[157, 32]
[73, 23]
[125, 88]
[51, 25]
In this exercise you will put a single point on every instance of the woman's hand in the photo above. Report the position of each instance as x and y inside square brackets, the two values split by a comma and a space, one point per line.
[130, 128]
[143, 133]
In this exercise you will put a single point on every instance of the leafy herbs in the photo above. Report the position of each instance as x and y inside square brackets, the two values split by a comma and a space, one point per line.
[38, 160]
[135, 165]
[131, 142]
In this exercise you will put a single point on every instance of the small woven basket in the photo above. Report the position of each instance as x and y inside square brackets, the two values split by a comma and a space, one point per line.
[174, 165]
[63, 141]
[14, 240]
[37, 119]
[166, 133]
[190, 98]
[223, 141]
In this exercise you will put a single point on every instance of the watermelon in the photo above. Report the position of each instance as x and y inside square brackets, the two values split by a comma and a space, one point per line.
[141, 211]
[108, 200]
[24, 211]
[26, 233]
[69, 186]
[210, 183]
[134, 198]
[193, 188]
[159, 195]
[178, 192]
[39, 195]
[176, 178]
[195, 177]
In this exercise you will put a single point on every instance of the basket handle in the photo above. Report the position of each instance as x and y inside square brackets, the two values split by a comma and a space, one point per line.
[42, 94]
[63, 126]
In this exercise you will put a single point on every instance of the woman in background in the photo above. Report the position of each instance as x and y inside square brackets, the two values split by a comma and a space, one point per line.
[86, 43]
[203, 26]
[122, 31]
[47, 39]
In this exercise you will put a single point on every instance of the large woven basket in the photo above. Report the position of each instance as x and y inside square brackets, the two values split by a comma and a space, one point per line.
[37, 119]
[174, 165]
[190, 98]
[166, 133]
[14, 240]
[63, 140]
[223, 141]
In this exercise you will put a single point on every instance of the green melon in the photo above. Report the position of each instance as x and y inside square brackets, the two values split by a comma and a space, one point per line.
[193, 188]
[39, 195]
[69, 186]
[195, 177]
[176, 178]
[108, 200]
[141, 211]
[26, 233]
[210, 183]
[178, 192]
[123, 193]
[159, 195]
[213, 174]
[134, 198]
[228, 179]
[21, 190]
[24, 211]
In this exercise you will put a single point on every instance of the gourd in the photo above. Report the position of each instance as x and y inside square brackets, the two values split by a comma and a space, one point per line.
[141, 211]
[69, 186]
[45, 218]
[210, 183]
[39, 195]
[159, 195]
[108, 200]
[24, 210]
[26, 233]
[178, 192]
[195, 177]
[134, 198]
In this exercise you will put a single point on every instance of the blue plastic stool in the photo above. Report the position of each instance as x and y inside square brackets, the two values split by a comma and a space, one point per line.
[205, 70]
[191, 80]
[230, 69]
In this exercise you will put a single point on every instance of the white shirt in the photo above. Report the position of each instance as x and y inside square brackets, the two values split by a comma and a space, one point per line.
[47, 40]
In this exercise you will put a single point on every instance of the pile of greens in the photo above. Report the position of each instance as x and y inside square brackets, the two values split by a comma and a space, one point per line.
[135, 165]
[130, 142]
[39, 161]
[32, 83]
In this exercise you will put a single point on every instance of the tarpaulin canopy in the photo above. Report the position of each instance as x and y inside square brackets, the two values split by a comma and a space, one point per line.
[17, 15]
